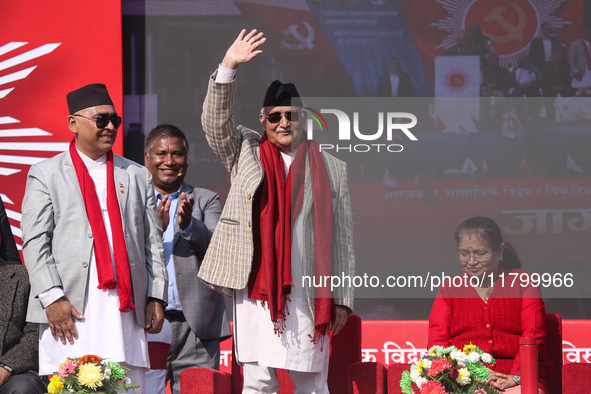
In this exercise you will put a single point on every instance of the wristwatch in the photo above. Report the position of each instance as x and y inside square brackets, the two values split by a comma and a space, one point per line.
[516, 378]
[6, 367]
[158, 300]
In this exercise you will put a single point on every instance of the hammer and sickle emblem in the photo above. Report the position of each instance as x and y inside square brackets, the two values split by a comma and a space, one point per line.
[514, 32]
[304, 41]
[457, 80]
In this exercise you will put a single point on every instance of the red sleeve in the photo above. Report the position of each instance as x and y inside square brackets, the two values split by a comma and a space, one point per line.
[440, 322]
[533, 323]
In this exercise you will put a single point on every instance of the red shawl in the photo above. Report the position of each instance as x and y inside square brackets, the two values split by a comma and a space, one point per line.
[102, 252]
[270, 280]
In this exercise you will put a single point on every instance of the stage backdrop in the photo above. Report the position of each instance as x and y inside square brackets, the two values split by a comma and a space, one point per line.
[46, 50]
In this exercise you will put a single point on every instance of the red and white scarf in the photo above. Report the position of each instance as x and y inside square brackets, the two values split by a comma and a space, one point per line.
[102, 252]
[270, 279]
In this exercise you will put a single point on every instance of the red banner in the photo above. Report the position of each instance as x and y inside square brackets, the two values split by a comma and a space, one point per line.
[405, 341]
[510, 25]
[47, 50]
[295, 37]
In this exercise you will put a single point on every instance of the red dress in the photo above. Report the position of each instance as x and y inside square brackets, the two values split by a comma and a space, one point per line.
[459, 317]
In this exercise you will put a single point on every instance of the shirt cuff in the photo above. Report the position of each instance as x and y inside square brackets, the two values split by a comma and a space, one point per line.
[48, 297]
[187, 232]
[225, 75]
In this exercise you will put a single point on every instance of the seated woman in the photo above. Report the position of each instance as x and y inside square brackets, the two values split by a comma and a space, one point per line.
[492, 315]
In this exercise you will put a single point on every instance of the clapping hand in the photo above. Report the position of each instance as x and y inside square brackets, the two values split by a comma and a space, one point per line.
[163, 208]
[185, 211]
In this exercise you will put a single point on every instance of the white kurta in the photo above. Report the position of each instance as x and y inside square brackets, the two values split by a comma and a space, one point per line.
[104, 331]
[254, 337]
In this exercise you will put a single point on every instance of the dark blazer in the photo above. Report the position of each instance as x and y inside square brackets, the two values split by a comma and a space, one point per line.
[203, 307]
[8, 251]
[536, 50]
[19, 340]
[405, 88]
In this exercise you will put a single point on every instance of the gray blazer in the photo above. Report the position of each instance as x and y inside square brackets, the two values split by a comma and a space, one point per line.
[576, 57]
[228, 260]
[203, 307]
[57, 239]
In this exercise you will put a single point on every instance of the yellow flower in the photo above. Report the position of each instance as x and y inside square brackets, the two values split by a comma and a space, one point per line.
[420, 366]
[90, 375]
[55, 385]
[469, 348]
[463, 376]
[434, 349]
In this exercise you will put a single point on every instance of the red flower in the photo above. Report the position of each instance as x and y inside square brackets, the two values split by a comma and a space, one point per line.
[432, 387]
[454, 373]
[438, 366]
[89, 358]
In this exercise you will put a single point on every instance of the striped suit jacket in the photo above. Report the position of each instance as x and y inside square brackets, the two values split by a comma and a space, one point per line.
[228, 261]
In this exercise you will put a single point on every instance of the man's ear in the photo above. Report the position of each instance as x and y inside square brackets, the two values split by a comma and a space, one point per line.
[262, 118]
[73, 124]
[146, 157]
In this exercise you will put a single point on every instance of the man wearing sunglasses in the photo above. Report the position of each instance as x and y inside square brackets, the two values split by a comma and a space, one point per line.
[92, 245]
[266, 241]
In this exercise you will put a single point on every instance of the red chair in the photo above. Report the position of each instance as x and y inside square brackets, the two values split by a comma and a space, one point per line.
[554, 346]
[394, 374]
[576, 378]
[158, 353]
[367, 378]
[345, 349]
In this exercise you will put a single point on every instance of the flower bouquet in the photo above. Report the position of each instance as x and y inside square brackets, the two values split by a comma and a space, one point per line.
[90, 374]
[450, 371]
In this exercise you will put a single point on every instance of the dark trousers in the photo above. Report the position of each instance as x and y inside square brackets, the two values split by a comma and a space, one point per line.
[188, 351]
[25, 383]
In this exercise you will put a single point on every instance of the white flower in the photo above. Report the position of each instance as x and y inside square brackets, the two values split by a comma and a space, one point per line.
[427, 363]
[107, 373]
[460, 357]
[450, 349]
[414, 373]
[127, 380]
[421, 381]
[473, 357]
[463, 376]
[487, 358]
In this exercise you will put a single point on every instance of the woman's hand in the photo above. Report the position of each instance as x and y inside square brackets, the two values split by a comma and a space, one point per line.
[500, 381]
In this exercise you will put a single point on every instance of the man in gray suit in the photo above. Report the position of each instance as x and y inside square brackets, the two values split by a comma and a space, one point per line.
[92, 244]
[196, 312]
[578, 55]
[266, 242]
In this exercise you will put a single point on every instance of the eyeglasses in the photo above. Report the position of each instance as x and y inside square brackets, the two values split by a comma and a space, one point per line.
[275, 117]
[478, 256]
[102, 120]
